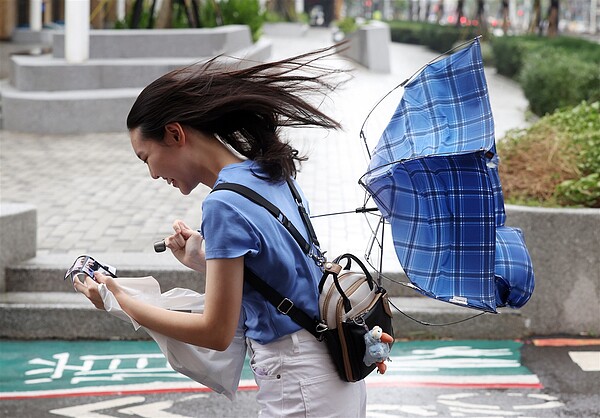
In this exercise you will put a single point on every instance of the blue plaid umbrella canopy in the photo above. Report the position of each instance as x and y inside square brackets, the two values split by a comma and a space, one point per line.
[433, 175]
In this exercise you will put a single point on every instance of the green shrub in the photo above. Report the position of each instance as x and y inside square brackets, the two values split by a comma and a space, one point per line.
[439, 38]
[582, 192]
[443, 38]
[347, 25]
[511, 51]
[556, 161]
[233, 12]
[556, 78]
[406, 32]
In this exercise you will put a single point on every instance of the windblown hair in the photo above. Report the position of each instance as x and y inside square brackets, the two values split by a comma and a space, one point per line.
[243, 107]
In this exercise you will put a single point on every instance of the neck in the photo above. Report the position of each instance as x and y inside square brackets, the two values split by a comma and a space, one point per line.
[213, 156]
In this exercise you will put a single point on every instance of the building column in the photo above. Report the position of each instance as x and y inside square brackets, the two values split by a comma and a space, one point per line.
[121, 9]
[35, 15]
[77, 30]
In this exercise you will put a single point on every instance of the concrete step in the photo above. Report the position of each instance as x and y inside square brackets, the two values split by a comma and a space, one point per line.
[140, 43]
[66, 112]
[46, 73]
[45, 273]
[62, 315]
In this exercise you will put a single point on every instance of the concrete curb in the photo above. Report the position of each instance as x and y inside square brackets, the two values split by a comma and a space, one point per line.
[564, 245]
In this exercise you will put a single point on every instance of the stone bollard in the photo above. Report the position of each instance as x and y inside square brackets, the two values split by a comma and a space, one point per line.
[18, 235]
[370, 46]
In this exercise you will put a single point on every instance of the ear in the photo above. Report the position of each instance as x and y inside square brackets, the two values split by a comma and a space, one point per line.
[174, 134]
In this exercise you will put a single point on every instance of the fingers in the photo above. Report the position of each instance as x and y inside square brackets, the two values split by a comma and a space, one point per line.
[90, 289]
[179, 226]
[98, 277]
[178, 239]
[175, 241]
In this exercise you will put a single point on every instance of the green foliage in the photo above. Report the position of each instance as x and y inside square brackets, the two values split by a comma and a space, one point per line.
[347, 25]
[553, 79]
[582, 192]
[511, 52]
[439, 38]
[179, 19]
[555, 161]
[213, 13]
[553, 72]
[406, 32]
[233, 12]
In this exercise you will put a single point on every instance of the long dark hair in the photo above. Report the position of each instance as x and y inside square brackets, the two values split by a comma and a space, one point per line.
[243, 107]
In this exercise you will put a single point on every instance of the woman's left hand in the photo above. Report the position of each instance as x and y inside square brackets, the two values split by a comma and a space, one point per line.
[90, 288]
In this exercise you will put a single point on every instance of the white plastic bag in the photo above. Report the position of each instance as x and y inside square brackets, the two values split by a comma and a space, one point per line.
[218, 370]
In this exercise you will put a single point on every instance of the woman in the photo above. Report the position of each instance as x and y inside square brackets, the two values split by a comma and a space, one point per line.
[206, 124]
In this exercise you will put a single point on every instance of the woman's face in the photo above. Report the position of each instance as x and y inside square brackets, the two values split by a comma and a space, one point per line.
[165, 160]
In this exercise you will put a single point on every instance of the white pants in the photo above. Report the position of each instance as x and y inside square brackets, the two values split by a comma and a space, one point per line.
[296, 378]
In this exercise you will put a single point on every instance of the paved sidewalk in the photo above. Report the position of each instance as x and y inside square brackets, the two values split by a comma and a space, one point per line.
[94, 196]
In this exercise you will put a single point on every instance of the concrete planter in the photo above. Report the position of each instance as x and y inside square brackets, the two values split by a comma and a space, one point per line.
[369, 46]
[18, 229]
[564, 245]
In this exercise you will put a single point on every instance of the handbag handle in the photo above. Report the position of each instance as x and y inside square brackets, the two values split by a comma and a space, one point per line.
[349, 257]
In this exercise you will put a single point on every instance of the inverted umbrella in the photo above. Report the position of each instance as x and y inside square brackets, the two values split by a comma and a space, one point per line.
[433, 175]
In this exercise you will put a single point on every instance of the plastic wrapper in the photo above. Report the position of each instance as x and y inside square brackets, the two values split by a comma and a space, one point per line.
[218, 370]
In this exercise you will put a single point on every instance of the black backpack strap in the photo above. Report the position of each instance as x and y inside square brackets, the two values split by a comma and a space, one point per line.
[274, 210]
[303, 213]
[283, 304]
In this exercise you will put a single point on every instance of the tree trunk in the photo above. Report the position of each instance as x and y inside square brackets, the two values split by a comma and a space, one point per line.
[480, 16]
[165, 15]
[536, 17]
[440, 11]
[553, 18]
[505, 14]
[136, 16]
[460, 11]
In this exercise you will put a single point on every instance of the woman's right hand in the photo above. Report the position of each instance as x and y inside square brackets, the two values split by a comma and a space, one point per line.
[186, 246]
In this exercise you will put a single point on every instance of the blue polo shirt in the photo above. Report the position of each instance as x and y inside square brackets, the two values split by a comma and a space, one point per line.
[233, 226]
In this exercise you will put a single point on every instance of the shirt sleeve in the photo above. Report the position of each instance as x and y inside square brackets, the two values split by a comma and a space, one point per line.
[227, 233]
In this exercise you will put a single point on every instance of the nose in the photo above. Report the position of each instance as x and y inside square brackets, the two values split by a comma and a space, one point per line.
[154, 176]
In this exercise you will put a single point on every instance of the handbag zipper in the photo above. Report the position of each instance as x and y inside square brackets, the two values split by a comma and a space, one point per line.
[330, 293]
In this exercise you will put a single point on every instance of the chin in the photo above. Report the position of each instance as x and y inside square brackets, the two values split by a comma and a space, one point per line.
[185, 190]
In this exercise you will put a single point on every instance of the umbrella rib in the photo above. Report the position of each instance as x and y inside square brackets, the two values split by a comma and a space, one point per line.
[429, 324]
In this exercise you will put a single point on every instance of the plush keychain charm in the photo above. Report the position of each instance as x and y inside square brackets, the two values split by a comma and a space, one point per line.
[377, 348]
